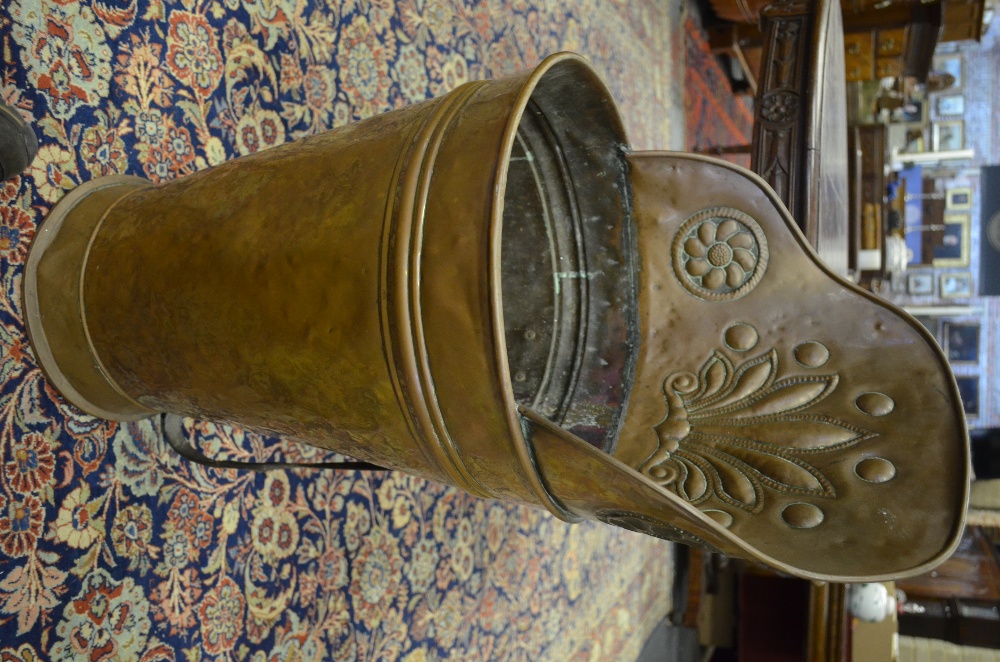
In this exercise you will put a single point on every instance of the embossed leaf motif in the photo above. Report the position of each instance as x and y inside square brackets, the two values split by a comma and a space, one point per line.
[731, 431]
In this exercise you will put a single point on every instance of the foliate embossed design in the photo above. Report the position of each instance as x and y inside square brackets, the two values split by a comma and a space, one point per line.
[780, 107]
[730, 431]
[719, 254]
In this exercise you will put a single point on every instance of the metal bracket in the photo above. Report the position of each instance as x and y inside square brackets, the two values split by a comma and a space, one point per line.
[173, 432]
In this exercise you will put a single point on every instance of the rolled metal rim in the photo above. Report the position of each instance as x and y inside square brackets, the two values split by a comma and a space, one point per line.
[515, 423]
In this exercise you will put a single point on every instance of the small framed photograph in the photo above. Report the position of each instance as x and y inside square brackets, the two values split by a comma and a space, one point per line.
[951, 104]
[914, 142]
[949, 135]
[968, 389]
[950, 64]
[961, 342]
[914, 112]
[921, 282]
[956, 285]
[959, 199]
[954, 242]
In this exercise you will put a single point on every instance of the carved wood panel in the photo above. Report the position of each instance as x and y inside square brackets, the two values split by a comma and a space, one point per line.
[778, 126]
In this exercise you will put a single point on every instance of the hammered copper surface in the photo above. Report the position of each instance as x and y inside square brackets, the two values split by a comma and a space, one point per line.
[345, 289]
[360, 290]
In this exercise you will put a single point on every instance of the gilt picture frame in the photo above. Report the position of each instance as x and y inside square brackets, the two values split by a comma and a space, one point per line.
[948, 135]
[956, 285]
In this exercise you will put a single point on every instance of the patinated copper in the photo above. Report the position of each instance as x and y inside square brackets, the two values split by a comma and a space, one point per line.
[489, 290]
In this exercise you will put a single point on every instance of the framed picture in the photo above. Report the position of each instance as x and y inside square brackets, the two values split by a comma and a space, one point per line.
[961, 342]
[914, 142]
[949, 135]
[950, 64]
[951, 104]
[921, 282]
[956, 285]
[952, 249]
[959, 199]
[968, 389]
[914, 112]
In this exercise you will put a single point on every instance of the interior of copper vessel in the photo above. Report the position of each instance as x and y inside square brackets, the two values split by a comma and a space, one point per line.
[568, 274]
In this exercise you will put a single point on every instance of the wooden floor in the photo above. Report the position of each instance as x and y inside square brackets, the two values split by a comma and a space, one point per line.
[676, 638]
[670, 643]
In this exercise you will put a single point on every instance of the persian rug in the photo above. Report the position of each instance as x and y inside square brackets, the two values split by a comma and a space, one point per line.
[715, 116]
[113, 548]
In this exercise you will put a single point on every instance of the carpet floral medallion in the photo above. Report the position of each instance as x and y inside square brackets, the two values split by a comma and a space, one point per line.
[113, 548]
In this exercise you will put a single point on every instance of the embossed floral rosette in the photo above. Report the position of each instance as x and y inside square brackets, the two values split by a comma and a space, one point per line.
[720, 254]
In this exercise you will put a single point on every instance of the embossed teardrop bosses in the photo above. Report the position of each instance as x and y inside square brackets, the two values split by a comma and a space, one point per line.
[719, 254]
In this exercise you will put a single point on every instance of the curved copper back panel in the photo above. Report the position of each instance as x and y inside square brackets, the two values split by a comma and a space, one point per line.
[801, 415]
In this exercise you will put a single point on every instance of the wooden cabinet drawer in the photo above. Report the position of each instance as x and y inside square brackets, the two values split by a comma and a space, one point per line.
[885, 67]
[961, 20]
[857, 69]
[959, 32]
[859, 44]
[858, 56]
[891, 42]
[965, 12]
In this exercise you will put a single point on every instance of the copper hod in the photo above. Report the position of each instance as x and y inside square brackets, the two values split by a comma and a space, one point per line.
[491, 290]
